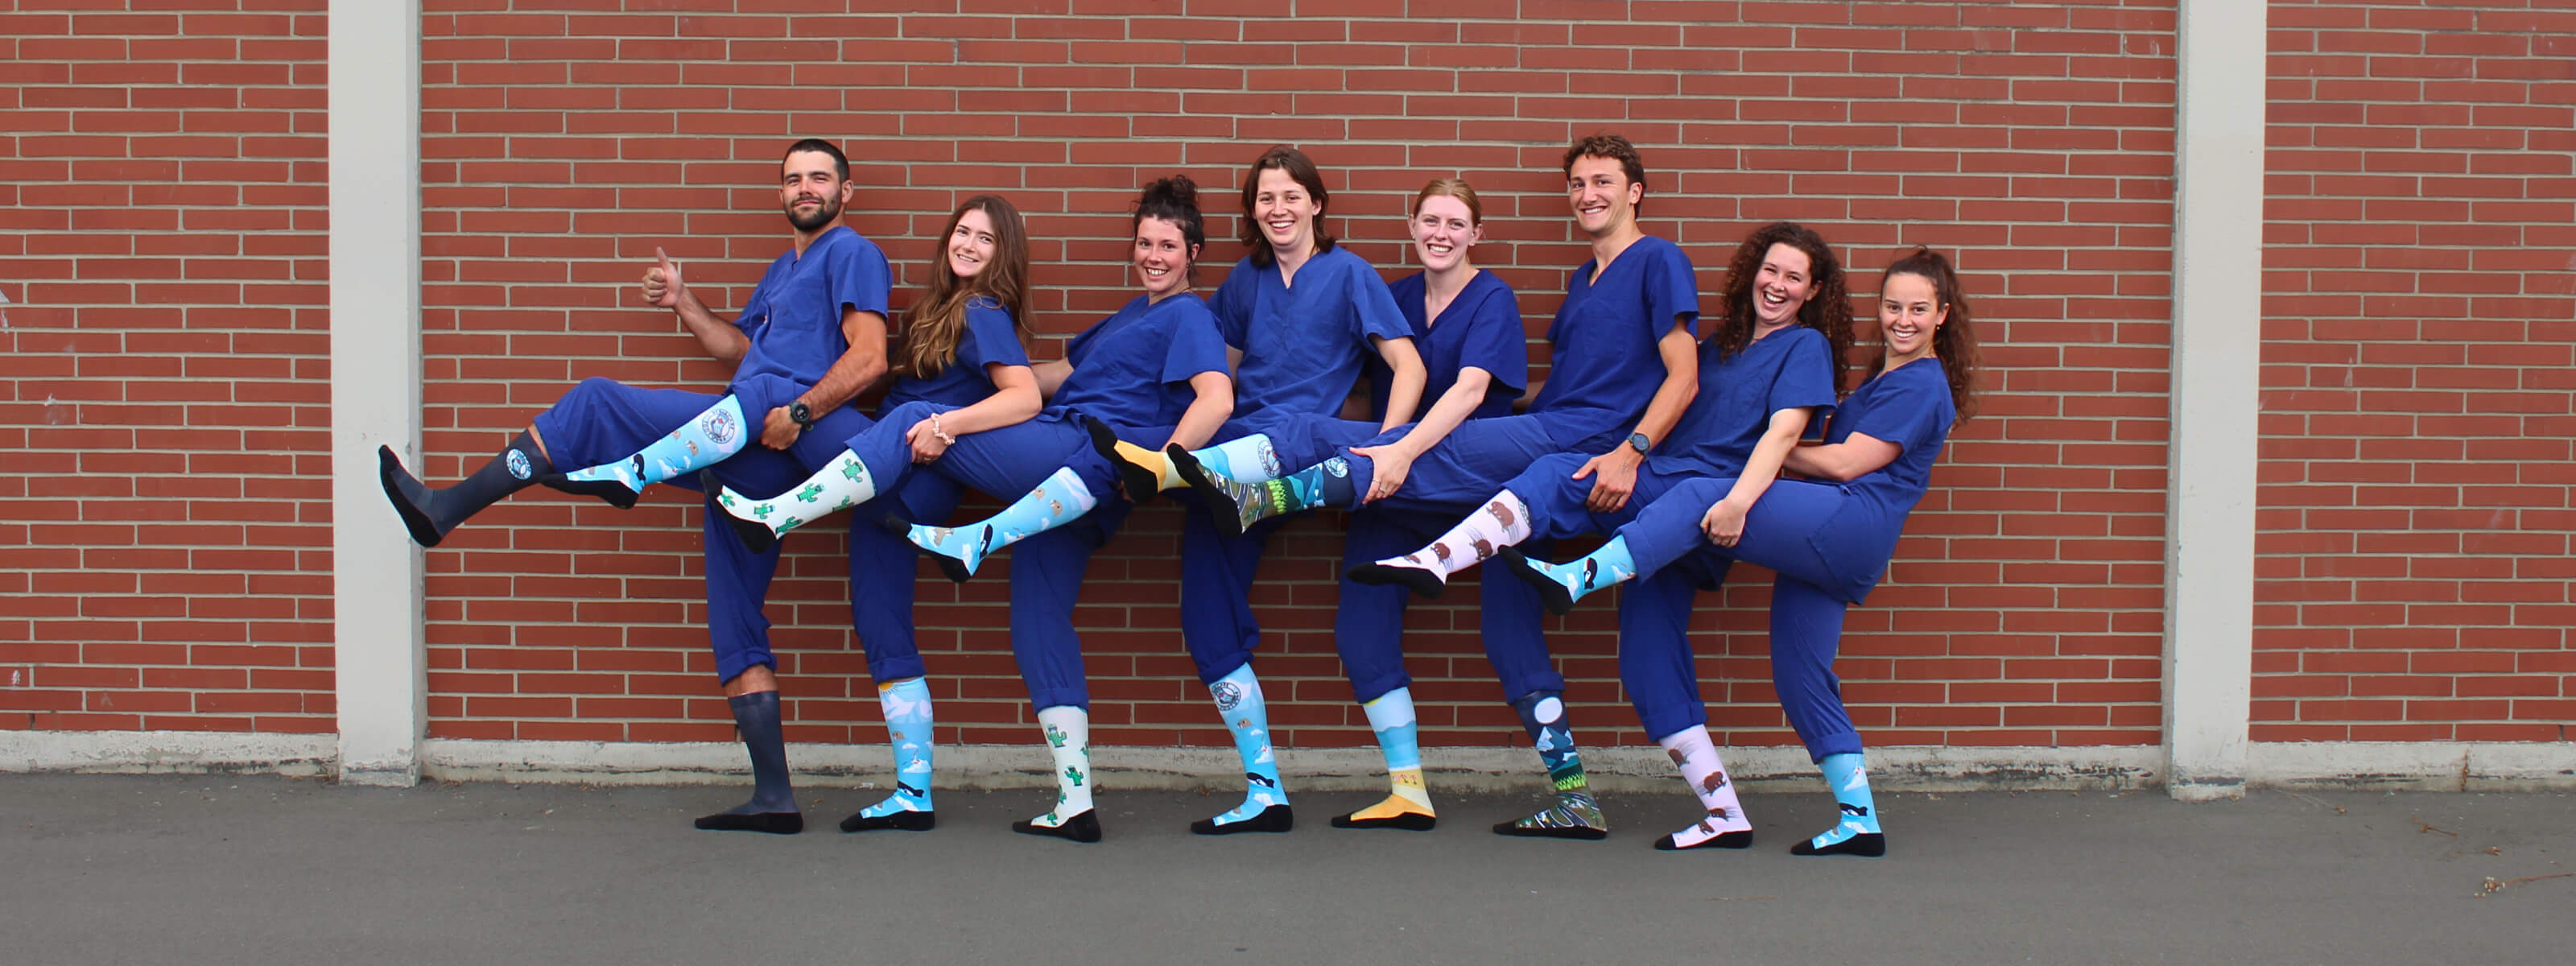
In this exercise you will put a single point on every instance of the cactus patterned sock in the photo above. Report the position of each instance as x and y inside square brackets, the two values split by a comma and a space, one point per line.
[705, 440]
[1408, 805]
[1251, 459]
[1501, 522]
[1237, 505]
[1068, 738]
[1725, 827]
[1858, 832]
[841, 484]
[1575, 815]
[1265, 804]
[772, 807]
[906, 705]
[429, 514]
[1060, 499]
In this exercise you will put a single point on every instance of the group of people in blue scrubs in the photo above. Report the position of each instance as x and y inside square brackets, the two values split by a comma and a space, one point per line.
[1305, 382]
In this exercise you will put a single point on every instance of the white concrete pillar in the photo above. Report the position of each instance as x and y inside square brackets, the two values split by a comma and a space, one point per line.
[2217, 345]
[374, 97]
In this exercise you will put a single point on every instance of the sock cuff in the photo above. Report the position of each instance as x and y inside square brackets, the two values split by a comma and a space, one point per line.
[1393, 709]
[754, 699]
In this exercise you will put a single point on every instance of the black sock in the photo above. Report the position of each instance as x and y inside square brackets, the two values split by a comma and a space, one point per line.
[431, 513]
[772, 807]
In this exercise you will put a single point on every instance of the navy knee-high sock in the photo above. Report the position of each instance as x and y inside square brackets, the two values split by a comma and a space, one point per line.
[772, 807]
[430, 513]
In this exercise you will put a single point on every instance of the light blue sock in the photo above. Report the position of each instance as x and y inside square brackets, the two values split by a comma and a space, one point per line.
[1238, 699]
[907, 716]
[703, 441]
[1593, 571]
[1850, 783]
[1250, 459]
[1060, 499]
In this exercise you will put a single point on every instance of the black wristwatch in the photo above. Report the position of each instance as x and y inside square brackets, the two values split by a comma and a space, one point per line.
[1640, 443]
[801, 414]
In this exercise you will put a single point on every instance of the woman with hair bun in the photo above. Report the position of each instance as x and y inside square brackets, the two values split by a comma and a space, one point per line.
[1156, 369]
[1828, 536]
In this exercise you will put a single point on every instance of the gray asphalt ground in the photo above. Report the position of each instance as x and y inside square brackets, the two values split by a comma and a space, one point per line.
[227, 869]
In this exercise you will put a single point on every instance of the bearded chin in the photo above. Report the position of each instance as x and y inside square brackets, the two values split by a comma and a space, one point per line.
[822, 216]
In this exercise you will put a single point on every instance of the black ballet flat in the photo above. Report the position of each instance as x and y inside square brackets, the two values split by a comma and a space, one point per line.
[921, 821]
[1740, 839]
[774, 823]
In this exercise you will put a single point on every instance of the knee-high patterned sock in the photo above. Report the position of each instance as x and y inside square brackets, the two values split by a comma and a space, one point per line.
[1060, 499]
[1858, 832]
[906, 705]
[772, 807]
[705, 440]
[430, 513]
[1560, 585]
[1237, 505]
[1265, 804]
[1725, 827]
[1249, 459]
[1068, 737]
[1501, 522]
[1408, 805]
[1575, 815]
[839, 485]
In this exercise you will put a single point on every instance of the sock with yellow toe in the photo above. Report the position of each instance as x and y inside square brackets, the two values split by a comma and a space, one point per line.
[1408, 805]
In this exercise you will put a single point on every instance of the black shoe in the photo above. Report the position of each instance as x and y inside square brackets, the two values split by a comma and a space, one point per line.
[1870, 844]
[1409, 821]
[1080, 828]
[1551, 594]
[906, 821]
[1739, 839]
[410, 497]
[1224, 497]
[1422, 583]
[1276, 818]
[774, 823]
[1140, 483]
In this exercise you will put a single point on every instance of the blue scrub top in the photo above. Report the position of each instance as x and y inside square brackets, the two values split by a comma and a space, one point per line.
[794, 316]
[1302, 344]
[1789, 369]
[1132, 370]
[989, 338]
[1910, 407]
[1604, 338]
[1480, 328]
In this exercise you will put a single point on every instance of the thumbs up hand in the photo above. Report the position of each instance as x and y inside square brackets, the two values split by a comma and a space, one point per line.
[662, 285]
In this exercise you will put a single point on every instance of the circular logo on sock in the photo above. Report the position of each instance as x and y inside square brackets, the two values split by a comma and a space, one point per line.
[518, 464]
[719, 426]
[1227, 695]
[1339, 468]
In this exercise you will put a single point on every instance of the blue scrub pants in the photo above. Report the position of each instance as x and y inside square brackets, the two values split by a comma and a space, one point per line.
[1217, 571]
[1046, 569]
[1784, 531]
[601, 420]
[1476, 459]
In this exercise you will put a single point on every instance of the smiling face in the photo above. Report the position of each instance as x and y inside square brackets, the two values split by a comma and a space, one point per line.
[1781, 287]
[972, 243]
[1286, 212]
[1603, 198]
[810, 190]
[1443, 230]
[1161, 257]
[1909, 313]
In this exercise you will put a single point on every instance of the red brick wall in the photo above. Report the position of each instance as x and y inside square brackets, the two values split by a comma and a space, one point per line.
[2032, 140]
[163, 367]
[2416, 470]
